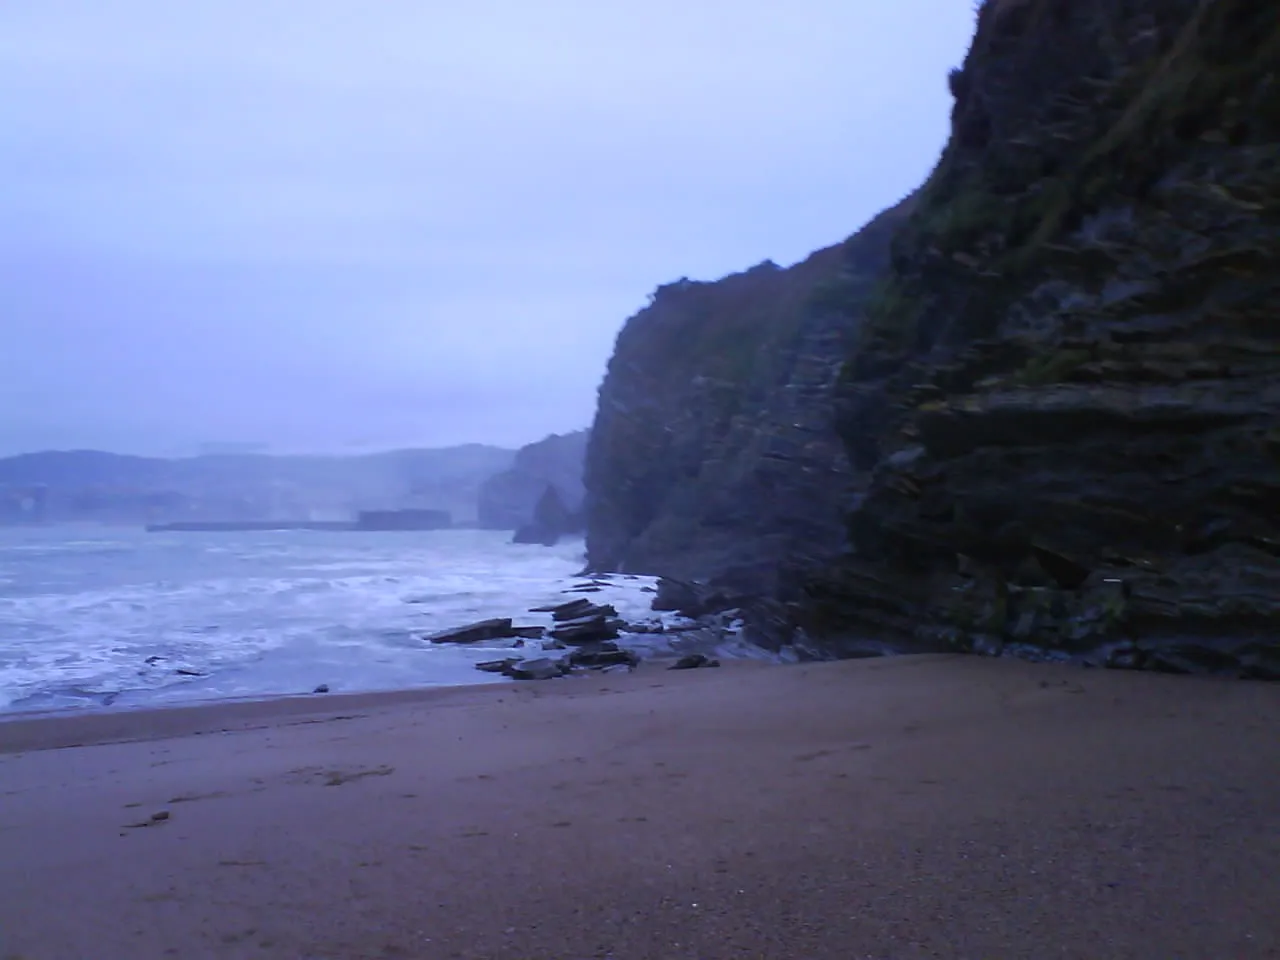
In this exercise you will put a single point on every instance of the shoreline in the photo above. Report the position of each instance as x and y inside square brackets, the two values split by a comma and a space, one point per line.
[906, 807]
[247, 701]
[96, 726]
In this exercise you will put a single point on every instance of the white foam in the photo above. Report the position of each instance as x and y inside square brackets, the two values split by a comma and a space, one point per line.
[112, 617]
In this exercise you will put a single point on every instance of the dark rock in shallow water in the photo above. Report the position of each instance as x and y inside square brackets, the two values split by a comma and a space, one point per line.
[692, 599]
[551, 521]
[323, 688]
[644, 627]
[478, 632]
[693, 661]
[528, 633]
[678, 596]
[576, 609]
[566, 610]
[589, 629]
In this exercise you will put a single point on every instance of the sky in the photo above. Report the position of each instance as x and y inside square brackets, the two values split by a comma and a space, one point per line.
[339, 225]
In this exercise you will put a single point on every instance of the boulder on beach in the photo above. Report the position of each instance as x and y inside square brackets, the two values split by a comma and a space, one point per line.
[693, 661]
[542, 668]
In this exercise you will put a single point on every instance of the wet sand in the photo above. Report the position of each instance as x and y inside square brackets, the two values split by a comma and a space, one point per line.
[913, 807]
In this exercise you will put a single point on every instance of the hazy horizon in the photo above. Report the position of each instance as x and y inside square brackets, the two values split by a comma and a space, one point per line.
[377, 227]
[258, 450]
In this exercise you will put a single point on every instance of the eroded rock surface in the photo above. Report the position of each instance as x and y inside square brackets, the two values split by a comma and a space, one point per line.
[1066, 397]
[1058, 430]
[714, 453]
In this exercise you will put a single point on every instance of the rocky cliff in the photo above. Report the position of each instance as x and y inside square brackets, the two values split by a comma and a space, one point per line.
[507, 499]
[1058, 418]
[714, 454]
[1066, 392]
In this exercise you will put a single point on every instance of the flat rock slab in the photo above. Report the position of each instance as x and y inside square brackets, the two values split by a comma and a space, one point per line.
[576, 610]
[588, 657]
[567, 610]
[474, 632]
[593, 629]
[528, 633]
[498, 666]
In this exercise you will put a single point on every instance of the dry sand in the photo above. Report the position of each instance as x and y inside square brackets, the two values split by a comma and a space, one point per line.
[914, 807]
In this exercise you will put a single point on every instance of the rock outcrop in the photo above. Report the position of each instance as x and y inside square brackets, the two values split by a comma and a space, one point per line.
[551, 521]
[1066, 393]
[508, 499]
[1058, 420]
[714, 453]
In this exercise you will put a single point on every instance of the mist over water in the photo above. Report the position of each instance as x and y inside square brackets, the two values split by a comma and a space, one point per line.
[97, 616]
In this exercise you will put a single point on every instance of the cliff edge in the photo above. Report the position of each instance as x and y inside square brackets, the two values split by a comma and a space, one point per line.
[1032, 410]
[714, 454]
[1067, 387]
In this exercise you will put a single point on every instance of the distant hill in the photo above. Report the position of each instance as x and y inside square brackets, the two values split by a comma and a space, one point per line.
[91, 485]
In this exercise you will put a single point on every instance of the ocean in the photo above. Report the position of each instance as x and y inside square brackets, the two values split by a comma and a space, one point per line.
[94, 617]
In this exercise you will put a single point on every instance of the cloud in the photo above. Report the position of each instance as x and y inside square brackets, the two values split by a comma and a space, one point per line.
[291, 222]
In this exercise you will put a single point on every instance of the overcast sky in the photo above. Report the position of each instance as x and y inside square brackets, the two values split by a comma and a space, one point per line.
[341, 224]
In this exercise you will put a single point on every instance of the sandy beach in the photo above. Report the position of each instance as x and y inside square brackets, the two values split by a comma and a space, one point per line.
[898, 808]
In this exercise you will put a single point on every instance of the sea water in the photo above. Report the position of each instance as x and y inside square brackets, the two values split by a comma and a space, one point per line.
[99, 616]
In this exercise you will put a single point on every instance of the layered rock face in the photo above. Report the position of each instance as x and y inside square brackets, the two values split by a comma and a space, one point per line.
[1066, 392]
[714, 454]
[508, 499]
[1059, 421]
